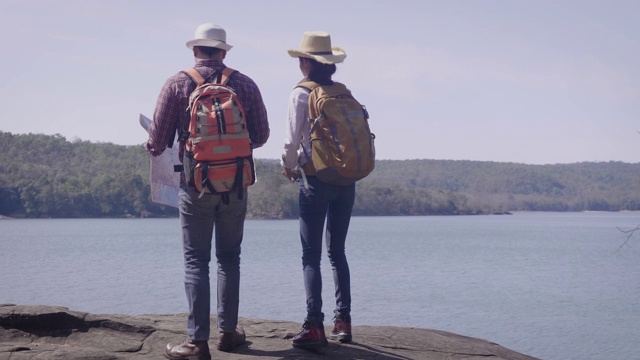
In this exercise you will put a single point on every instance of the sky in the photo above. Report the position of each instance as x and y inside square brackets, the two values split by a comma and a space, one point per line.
[533, 82]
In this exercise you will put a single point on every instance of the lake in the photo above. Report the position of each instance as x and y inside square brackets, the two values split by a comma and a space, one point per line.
[551, 285]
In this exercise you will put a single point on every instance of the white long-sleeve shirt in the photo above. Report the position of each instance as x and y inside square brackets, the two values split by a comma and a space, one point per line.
[296, 140]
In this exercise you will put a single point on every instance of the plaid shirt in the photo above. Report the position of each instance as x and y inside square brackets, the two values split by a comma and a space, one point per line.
[171, 107]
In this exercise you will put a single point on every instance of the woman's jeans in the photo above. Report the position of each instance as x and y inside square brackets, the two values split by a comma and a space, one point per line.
[199, 217]
[334, 203]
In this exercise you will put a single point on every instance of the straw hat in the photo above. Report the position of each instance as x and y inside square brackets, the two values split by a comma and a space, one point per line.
[210, 35]
[317, 45]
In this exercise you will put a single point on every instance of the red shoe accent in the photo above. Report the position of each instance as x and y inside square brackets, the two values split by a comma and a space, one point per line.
[341, 331]
[311, 337]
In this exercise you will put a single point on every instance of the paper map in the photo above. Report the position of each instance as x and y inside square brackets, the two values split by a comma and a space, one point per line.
[165, 182]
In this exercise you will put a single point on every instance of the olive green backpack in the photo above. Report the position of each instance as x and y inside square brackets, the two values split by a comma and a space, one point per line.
[342, 145]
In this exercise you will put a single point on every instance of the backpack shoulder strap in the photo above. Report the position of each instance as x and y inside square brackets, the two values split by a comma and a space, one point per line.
[194, 75]
[227, 72]
[307, 84]
[335, 88]
[221, 79]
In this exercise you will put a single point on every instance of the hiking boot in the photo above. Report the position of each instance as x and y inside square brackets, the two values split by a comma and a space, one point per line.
[188, 350]
[341, 330]
[311, 337]
[227, 341]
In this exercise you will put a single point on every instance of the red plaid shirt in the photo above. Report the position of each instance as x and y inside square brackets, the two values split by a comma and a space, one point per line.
[171, 107]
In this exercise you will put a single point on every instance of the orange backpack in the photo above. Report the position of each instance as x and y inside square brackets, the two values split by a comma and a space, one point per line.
[218, 156]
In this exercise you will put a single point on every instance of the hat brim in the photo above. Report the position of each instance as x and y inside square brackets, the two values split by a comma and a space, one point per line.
[337, 56]
[208, 43]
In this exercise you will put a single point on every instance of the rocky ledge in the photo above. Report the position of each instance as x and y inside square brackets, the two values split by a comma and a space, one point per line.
[50, 332]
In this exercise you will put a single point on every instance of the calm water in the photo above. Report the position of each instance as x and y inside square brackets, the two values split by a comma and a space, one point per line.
[551, 285]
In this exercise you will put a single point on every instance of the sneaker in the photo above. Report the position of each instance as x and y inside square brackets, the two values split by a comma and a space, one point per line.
[227, 341]
[341, 330]
[188, 350]
[311, 337]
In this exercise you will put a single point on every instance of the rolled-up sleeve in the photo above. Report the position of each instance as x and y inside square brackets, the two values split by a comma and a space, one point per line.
[296, 138]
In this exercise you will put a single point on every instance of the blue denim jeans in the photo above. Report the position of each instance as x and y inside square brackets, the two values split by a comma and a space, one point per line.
[334, 203]
[198, 218]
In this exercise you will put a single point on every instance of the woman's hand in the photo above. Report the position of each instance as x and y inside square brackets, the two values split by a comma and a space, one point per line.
[290, 174]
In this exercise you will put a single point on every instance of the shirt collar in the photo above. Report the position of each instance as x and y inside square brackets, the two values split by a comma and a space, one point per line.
[209, 63]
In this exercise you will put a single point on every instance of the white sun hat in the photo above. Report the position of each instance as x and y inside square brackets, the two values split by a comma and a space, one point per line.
[210, 35]
[317, 45]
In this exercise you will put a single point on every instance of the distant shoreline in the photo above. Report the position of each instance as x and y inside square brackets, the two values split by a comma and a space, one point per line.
[4, 217]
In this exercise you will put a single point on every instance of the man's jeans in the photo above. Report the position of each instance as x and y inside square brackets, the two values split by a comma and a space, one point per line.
[199, 217]
[335, 203]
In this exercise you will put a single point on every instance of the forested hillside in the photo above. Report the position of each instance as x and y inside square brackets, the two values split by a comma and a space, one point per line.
[48, 176]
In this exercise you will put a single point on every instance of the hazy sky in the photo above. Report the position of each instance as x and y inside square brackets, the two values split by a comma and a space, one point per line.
[536, 82]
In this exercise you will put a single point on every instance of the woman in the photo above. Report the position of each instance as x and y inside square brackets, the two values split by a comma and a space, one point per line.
[317, 200]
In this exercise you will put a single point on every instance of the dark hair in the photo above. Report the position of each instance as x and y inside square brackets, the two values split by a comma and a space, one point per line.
[209, 51]
[321, 73]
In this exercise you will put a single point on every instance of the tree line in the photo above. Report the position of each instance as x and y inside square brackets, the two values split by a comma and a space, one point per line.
[49, 176]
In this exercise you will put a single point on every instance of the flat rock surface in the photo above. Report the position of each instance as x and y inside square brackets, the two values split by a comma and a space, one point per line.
[50, 332]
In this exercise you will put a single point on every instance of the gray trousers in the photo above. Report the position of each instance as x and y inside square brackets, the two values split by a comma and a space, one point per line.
[199, 217]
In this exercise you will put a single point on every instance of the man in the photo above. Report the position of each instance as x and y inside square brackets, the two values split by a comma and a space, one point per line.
[200, 215]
